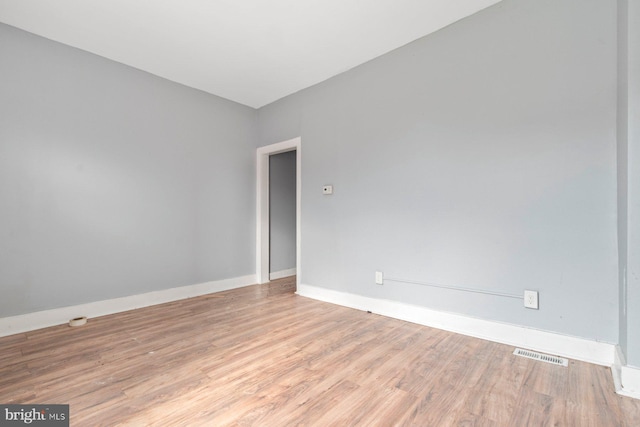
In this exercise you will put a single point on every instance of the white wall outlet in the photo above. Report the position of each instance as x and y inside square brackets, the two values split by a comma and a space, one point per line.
[379, 278]
[531, 299]
[327, 189]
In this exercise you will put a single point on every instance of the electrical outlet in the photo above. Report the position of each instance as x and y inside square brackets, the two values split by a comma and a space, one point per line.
[531, 299]
[379, 278]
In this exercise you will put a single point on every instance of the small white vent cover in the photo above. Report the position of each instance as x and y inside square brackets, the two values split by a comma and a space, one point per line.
[555, 360]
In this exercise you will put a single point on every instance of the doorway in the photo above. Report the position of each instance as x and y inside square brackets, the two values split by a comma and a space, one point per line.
[282, 215]
[263, 206]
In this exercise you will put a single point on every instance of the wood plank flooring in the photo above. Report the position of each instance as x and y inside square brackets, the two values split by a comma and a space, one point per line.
[263, 356]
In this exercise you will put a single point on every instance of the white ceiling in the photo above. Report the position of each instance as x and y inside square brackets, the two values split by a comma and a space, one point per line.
[249, 51]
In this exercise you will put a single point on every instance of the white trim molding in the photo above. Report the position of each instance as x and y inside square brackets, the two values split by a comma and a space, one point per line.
[616, 368]
[282, 273]
[58, 316]
[625, 378]
[630, 380]
[548, 342]
[262, 204]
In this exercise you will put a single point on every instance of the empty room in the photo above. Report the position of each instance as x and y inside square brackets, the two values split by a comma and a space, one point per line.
[320, 213]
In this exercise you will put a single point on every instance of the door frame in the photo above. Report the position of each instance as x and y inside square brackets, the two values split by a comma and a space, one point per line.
[262, 205]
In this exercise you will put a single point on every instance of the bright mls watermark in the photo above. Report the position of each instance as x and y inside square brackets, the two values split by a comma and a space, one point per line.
[35, 415]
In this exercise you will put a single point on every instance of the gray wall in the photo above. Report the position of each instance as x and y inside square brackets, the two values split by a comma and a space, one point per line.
[622, 137]
[282, 211]
[115, 182]
[633, 201]
[483, 156]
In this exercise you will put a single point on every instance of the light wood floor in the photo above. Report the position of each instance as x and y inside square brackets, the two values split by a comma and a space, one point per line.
[263, 356]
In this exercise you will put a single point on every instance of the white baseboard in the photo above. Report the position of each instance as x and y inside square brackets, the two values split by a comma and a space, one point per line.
[282, 273]
[616, 368]
[548, 342]
[630, 381]
[625, 378]
[57, 316]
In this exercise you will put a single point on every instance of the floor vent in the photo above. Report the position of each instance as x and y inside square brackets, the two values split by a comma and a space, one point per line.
[555, 360]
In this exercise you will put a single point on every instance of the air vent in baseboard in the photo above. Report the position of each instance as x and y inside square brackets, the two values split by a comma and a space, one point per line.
[555, 360]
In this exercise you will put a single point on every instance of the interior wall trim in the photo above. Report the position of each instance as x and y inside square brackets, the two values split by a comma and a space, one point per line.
[630, 381]
[282, 273]
[570, 347]
[262, 205]
[58, 316]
